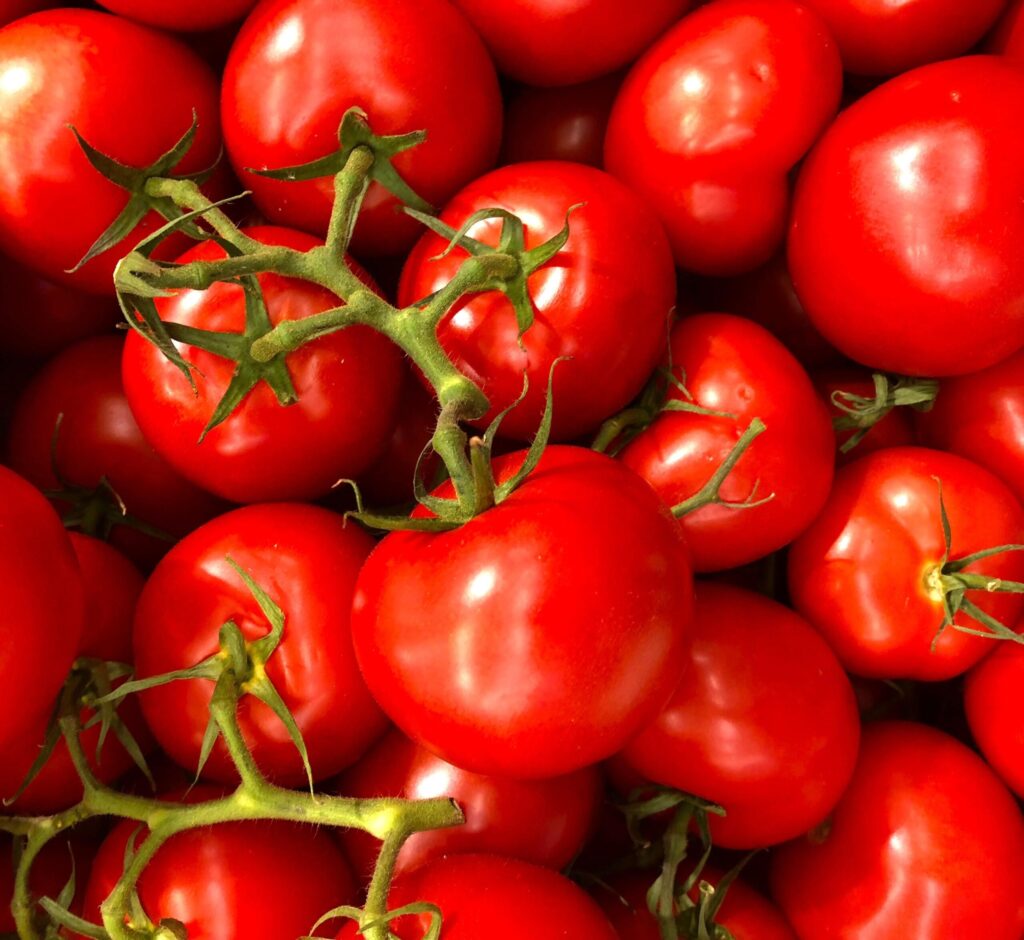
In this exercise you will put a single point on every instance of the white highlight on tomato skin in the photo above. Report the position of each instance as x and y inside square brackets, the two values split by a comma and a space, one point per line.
[15, 77]
[287, 40]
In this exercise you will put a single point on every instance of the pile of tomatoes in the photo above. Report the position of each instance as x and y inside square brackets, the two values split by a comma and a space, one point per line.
[706, 617]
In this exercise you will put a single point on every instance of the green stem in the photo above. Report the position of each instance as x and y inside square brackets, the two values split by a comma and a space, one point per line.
[350, 187]
[187, 195]
[380, 884]
[199, 275]
[709, 493]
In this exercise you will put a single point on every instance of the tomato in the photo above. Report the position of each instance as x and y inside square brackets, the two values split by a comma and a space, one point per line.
[540, 821]
[1008, 36]
[306, 559]
[100, 438]
[615, 269]
[732, 365]
[110, 79]
[713, 117]
[993, 697]
[864, 572]
[763, 722]
[497, 898]
[181, 14]
[346, 383]
[409, 64]
[905, 855]
[886, 37]
[562, 42]
[538, 637]
[907, 218]
[43, 605]
[979, 417]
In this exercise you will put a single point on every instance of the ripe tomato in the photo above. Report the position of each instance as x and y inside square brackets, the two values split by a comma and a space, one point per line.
[604, 300]
[731, 364]
[538, 637]
[763, 722]
[306, 559]
[864, 571]
[994, 697]
[409, 64]
[539, 821]
[110, 79]
[181, 14]
[713, 117]
[905, 855]
[907, 218]
[347, 386]
[562, 42]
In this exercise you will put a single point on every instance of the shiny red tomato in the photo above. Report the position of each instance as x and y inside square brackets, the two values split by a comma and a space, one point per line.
[905, 854]
[409, 64]
[763, 722]
[539, 821]
[562, 42]
[538, 637]
[994, 699]
[306, 559]
[732, 365]
[713, 117]
[604, 300]
[181, 14]
[865, 571]
[110, 79]
[347, 386]
[907, 219]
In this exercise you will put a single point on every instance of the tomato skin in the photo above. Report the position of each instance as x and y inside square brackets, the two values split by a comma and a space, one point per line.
[306, 558]
[347, 384]
[545, 821]
[886, 37]
[906, 222]
[568, 602]
[712, 118]
[563, 42]
[186, 15]
[409, 64]
[978, 417]
[493, 897]
[994, 698]
[763, 721]
[859, 571]
[89, 69]
[905, 856]
[604, 300]
[15, 9]
[1008, 36]
[733, 365]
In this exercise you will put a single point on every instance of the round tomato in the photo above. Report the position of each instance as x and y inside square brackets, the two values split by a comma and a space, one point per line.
[994, 699]
[905, 854]
[603, 301]
[181, 14]
[538, 637]
[411, 65]
[347, 385]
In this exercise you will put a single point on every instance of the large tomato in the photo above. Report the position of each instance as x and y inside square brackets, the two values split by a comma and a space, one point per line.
[907, 219]
[538, 637]
[130, 91]
[604, 300]
[925, 843]
[994, 700]
[347, 385]
[411, 65]
[713, 117]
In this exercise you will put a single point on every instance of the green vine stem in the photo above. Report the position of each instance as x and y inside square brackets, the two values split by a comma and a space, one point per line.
[861, 414]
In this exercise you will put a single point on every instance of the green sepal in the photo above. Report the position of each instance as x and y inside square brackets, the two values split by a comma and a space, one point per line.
[209, 668]
[263, 689]
[141, 315]
[60, 915]
[354, 913]
[50, 739]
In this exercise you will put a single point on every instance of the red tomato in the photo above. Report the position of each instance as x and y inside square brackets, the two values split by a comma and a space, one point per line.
[538, 637]
[713, 117]
[1008, 36]
[885, 37]
[497, 898]
[100, 438]
[306, 559]
[907, 220]
[763, 722]
[181, 14]
[863, 573]
[979, 417]
[110, 79]
[562, 42]
[43, 605]
[409, 64]
[540, 821]
[905, 854]
[347, 386]
[731, 364]
[994, 699]
[604, 300]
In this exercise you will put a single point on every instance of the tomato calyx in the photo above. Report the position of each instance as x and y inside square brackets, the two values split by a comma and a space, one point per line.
[861, 413]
